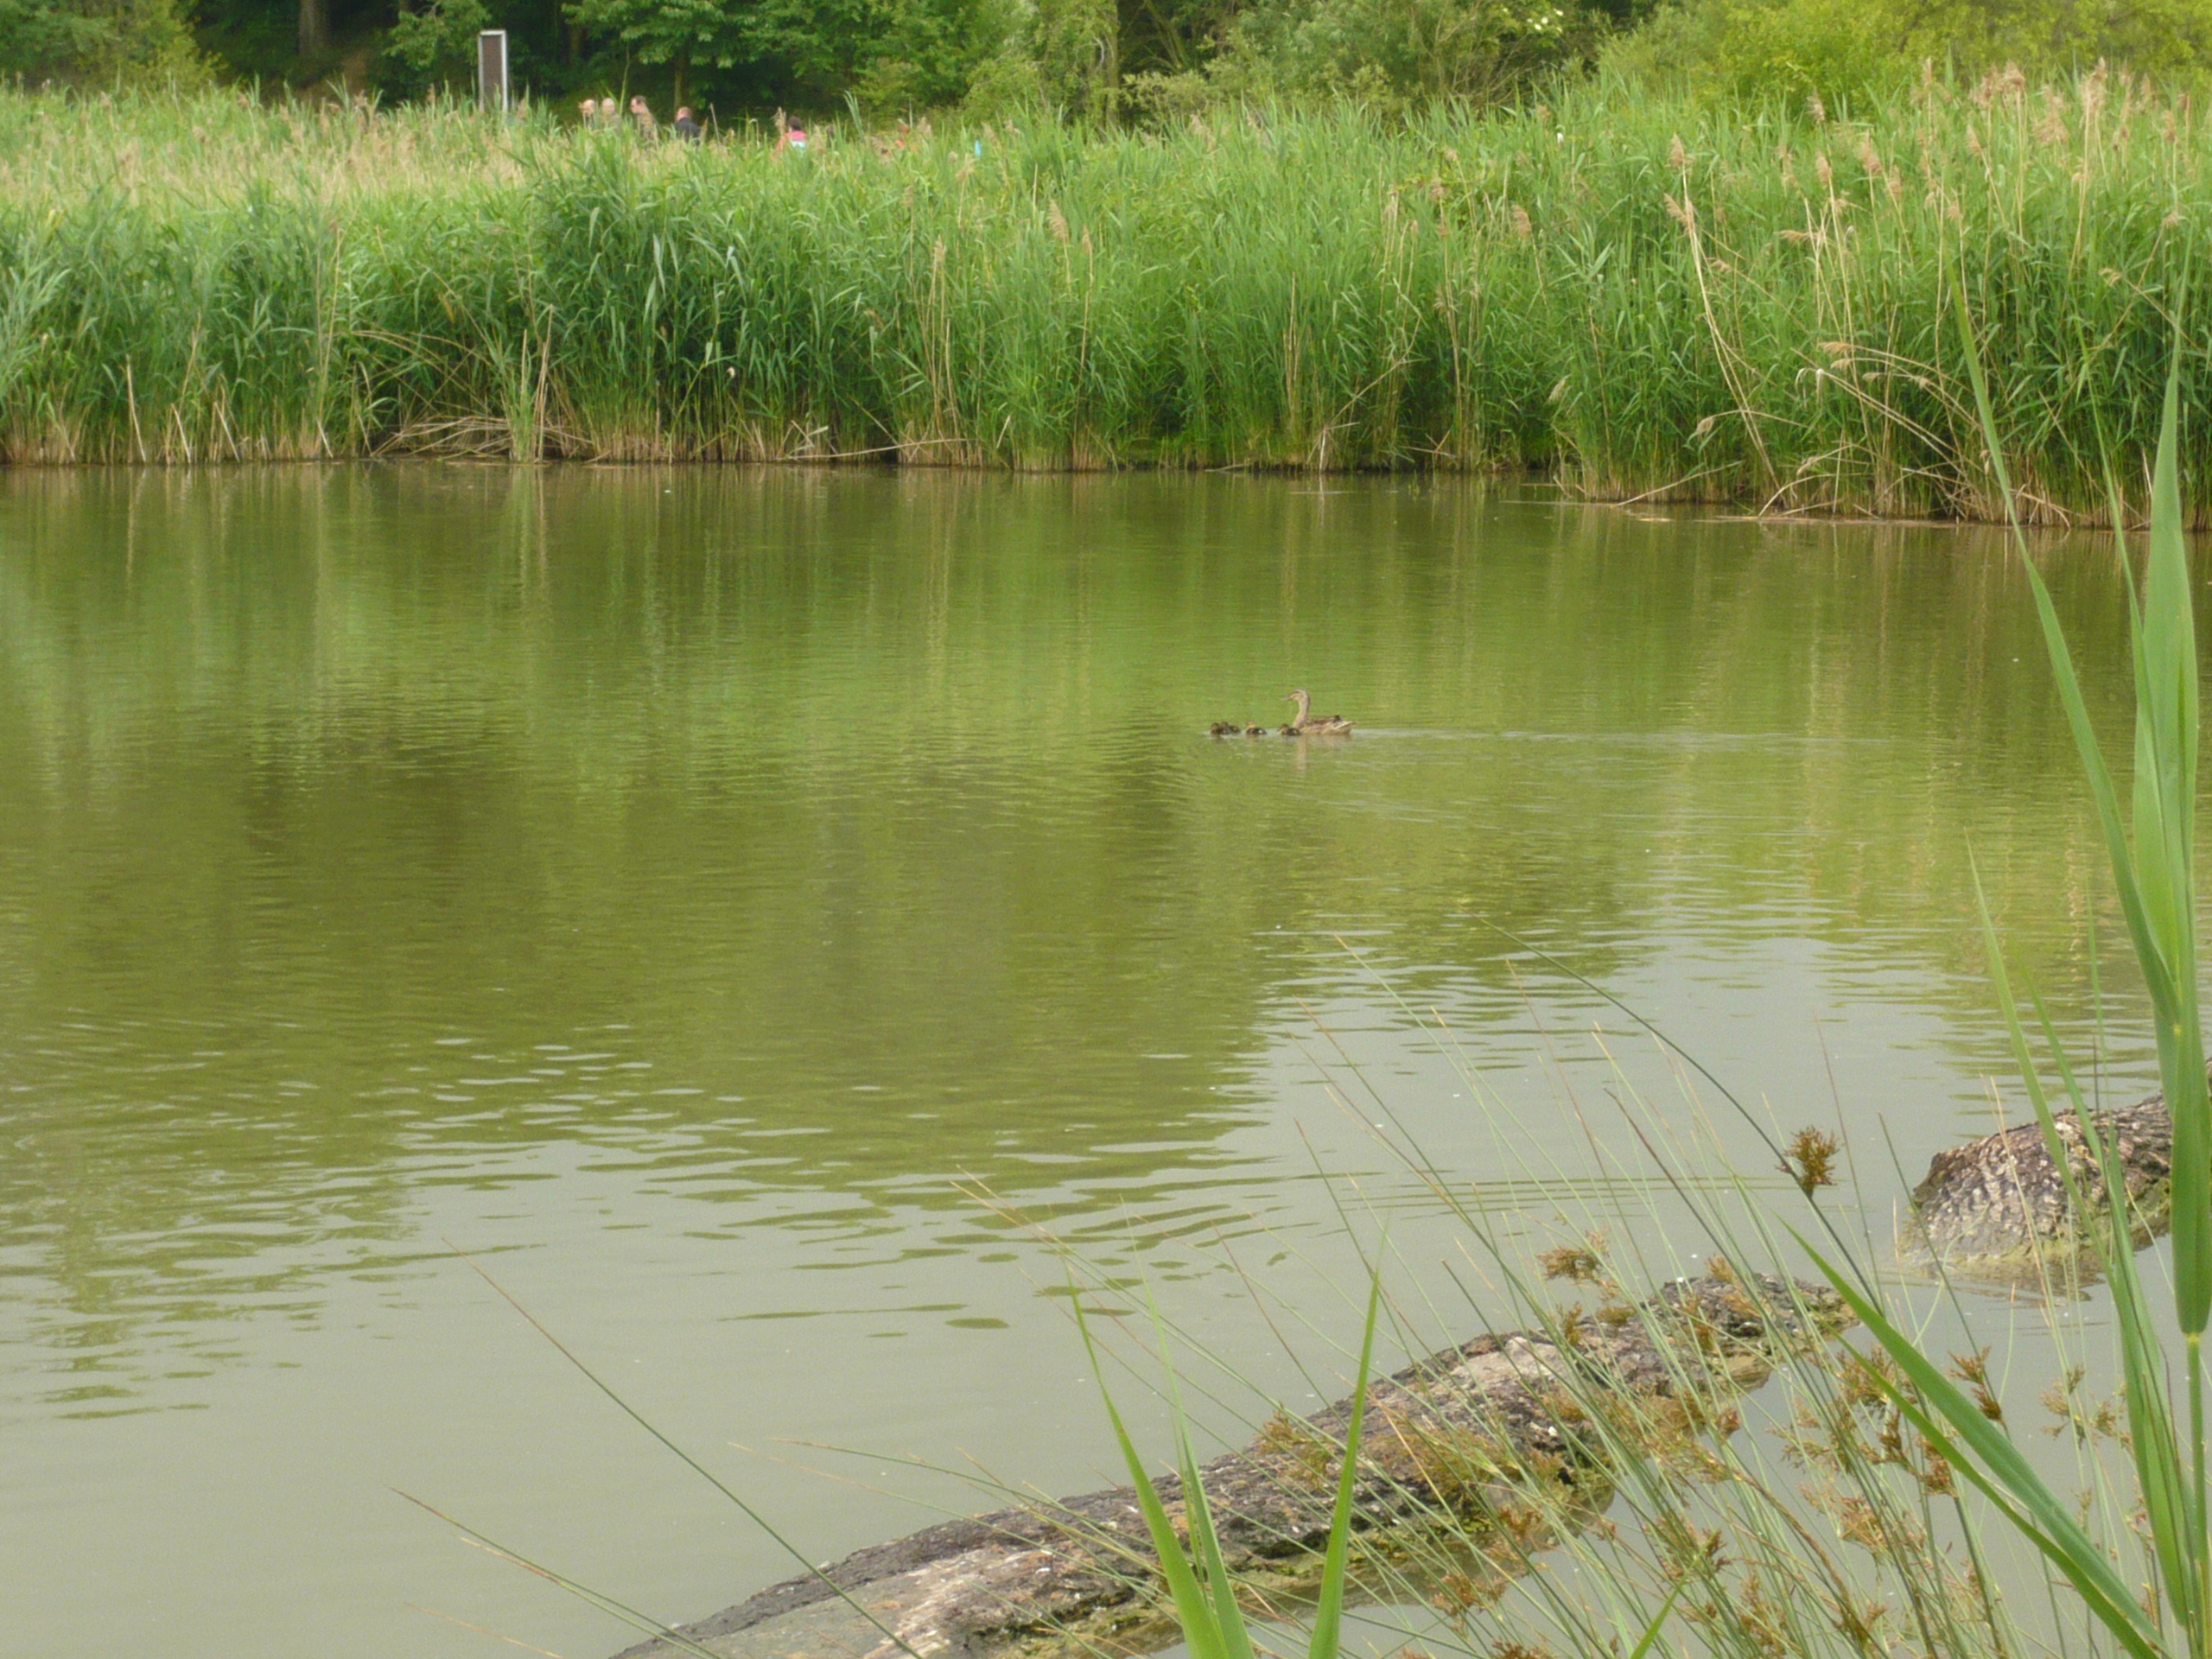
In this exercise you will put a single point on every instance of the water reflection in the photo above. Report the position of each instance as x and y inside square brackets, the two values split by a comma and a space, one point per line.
[755, 862]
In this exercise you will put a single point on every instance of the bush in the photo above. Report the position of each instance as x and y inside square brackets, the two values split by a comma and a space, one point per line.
[1077, 56]
[1005, 83]
[1395, 53]
[1842, 50]
[1833, 50]
[437, 43]
[84, 41]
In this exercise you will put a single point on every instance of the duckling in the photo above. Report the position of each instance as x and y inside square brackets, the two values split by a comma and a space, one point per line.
[1255, 730]
[1306, 725]
[1223, 728]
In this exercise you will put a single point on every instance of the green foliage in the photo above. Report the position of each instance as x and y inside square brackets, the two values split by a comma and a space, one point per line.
[1183, 55]
[1172, 36]
[438, 42]
[2160, 37]
[38, 39]
[1833, 50]
[1005, 83]
[807, 44]
[99, 42]
[1393, 53]
[895, 52]
[930, 56]
[1076, 44]
[1838, 50]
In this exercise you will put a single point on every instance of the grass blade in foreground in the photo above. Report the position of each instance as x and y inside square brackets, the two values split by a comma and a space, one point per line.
[606, 1603]
[2153, 868]
[2161, 1475]
[1212, 1623]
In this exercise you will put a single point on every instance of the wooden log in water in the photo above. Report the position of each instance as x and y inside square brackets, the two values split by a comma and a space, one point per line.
[1994, 1205]
[1449, 1441]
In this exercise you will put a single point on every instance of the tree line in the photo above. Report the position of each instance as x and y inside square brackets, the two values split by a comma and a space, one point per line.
[1161, 60]
[1088, 57]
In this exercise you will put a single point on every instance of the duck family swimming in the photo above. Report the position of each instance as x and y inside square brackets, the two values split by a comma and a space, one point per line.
[1305, 723]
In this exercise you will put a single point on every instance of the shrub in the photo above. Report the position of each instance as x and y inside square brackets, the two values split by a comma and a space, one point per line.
[1842, 50]
[88, 42]
[1395, 53]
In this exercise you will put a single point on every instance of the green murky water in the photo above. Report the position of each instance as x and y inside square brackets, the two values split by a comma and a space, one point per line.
[685, 890]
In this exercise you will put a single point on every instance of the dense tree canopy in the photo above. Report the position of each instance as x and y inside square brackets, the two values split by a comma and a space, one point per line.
[743, 56]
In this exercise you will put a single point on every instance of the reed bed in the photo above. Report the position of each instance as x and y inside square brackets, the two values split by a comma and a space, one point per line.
[1643, 296]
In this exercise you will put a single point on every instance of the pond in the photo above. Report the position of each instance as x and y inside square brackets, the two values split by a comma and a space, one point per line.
[755, 914]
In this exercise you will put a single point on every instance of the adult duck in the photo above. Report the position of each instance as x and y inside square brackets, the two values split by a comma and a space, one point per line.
[1308, 724]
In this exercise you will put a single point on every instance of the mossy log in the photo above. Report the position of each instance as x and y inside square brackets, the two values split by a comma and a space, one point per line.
[1451, 1440]
[1999, 1204]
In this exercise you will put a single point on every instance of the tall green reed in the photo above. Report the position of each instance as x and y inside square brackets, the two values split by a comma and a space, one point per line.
[1645, 296]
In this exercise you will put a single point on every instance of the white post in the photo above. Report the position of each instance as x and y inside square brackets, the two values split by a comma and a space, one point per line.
[492, 69]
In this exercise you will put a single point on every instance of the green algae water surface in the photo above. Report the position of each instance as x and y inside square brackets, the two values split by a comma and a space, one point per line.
[750, 912]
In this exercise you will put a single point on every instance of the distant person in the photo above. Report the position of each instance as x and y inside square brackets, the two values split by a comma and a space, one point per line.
[642, 113]
[790, 134]
[687, 128]
[590, 111]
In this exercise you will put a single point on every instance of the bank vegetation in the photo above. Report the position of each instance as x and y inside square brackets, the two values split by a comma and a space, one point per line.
[1639, 295]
